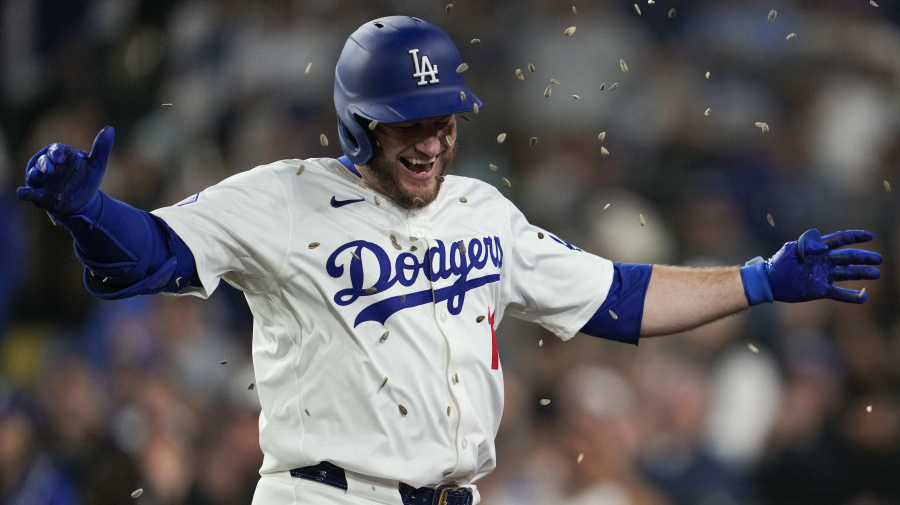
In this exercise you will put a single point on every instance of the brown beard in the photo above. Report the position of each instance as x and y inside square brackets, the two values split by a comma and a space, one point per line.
[382, 171]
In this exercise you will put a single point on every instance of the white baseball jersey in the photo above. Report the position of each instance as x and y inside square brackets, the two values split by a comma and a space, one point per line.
[373, 338]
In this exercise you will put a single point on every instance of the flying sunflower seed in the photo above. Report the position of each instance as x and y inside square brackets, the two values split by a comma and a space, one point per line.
[403, 410]
[462, 247]
[533, 141]
[547, 92]
[604, 151]
[606, 206]
[307, 413]
[439, 178]
[323, 140]
[492, 167]
[475, 41]
[869, 409]
[706, 112]
[613, 314]
[574, 10]
[371, 290]
[887, 186]
[672, 12]
[251, 386]
[650, 2]
[223, 362]
[602, 136]
[462, 96]
[506, 182]
[545, 401]
[569, 31]
[384, 336]
[462, 67]
[475, 108]
[479, 319]
[301, 169]
[791, 36]
[449, 7]
[397, 246]
[308, 66]
[501, 138]
[373, 125]
[540, 235]
[752, 348]
[614, 86]
[576, 97]
[465, 117]
[772, 15]
[873, 3]
[314, 245]
[641, 219]
[638, 9]
[137, 492]
[554, 81]
[771, 220]
[449, 140]
[862, 292]
[541, 343]
[519, 74]
[168, 105]
[418, 202]
[707, 74]
[377, 201]
[531, 67]
[602, 86]
[580, 457]
[463, 199]
[383, 382]
[623, 65]
[762, 126]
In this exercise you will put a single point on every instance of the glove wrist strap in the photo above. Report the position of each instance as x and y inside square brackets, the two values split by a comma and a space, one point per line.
[757, 287]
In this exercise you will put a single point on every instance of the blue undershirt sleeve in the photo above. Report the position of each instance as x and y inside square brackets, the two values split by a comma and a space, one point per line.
[619, 316]
[127, 251]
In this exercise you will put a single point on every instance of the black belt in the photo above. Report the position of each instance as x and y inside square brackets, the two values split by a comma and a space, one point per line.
[333, 475]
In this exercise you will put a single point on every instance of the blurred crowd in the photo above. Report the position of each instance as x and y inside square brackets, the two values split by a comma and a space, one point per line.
[783, 404]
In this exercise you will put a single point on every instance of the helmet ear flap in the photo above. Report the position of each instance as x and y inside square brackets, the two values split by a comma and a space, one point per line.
[355, 141]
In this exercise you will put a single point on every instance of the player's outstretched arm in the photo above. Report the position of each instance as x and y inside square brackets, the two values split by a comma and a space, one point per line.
[680, 298]
[125, 251]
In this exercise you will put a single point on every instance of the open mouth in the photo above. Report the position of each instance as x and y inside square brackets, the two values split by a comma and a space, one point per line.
[418, 165]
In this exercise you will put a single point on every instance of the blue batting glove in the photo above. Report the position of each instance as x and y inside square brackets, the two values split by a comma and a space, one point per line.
[62, 180]
[806, 269]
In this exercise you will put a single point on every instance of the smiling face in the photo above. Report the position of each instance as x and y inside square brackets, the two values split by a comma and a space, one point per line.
[409, 156]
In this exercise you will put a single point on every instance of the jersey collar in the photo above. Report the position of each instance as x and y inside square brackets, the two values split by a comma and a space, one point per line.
[350, 166]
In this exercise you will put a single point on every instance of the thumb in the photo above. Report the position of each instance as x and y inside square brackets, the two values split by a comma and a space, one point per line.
[102, 146]
[810, 243]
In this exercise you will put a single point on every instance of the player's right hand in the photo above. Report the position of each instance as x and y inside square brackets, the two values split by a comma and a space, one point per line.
[62, 180]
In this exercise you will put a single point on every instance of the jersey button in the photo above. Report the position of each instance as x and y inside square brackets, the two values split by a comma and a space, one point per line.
[420, 233]
[443, 317]
[465, 443]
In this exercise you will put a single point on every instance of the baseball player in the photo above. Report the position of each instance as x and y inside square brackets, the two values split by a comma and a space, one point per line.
[377, 282]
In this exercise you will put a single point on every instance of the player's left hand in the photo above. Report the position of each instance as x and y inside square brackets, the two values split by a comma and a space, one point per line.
[807, 268]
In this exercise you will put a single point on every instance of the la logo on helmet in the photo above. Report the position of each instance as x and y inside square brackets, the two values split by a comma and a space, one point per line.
[425, 69]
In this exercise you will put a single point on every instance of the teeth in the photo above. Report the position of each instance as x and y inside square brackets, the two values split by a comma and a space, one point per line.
[417, 161]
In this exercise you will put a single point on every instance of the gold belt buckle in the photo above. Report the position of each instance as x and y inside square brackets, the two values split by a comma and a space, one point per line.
[442, 498]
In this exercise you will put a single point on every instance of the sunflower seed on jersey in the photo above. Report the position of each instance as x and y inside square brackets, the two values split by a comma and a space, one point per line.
[545, 401]
[479, 319]
[475, 108]
[301, 169]
[449, 140]
[377, 201]
[492, 167]
[623, 65]
[501, 138]
[604, 151]
[752, 348]
[672, 12]
[314, 245]
[519, 74]
[413, 249]
[448, 410]
[475, 41]
[223, 362]
[383, 382]
[791, 36]
[137, 492]
[580, 457]
[638, 9]
[772, 15]
[506, 182]
[397, 246]
[771, 220]
[403, 296]
[540, 235]
[462, 96]
[462, 247]
[887, 186]
[606, 206]
[576, 97]
[707, 111]
[384, 336]
[456, 378]
[602, 136]
[354, 254]
[371, 290]
[251, 386]
[449, 7]
[323, 140]
[614, 86]
[373, 125]
[531, 67]
[403, 410]
[570, 30]
[641, 219]
[533, 141]
[547, 92]
[462, 67]
[613, 314]
[307, 413]
[463, 199]
[168, 105]
[418, 202]
[308, 66]
[541, 343]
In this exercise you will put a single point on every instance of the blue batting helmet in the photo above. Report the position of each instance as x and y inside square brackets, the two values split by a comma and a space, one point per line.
[396, 69]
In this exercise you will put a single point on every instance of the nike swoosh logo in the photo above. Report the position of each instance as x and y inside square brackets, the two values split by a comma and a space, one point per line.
[340, 203]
